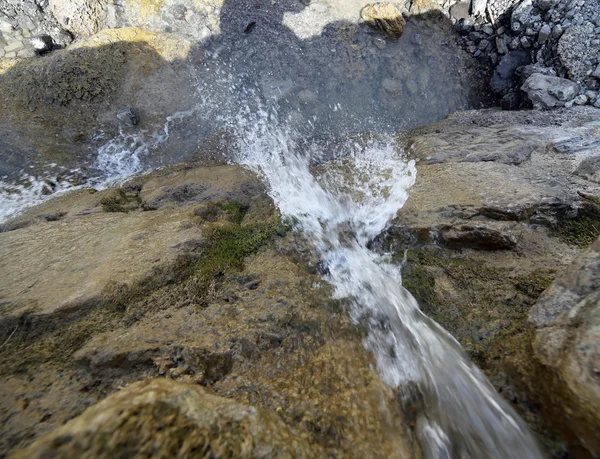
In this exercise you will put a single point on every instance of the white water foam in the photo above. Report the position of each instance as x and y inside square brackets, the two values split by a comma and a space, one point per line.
[340, 210]
[116, 161]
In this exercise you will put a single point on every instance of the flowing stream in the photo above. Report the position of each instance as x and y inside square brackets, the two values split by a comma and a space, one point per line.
[340, 208]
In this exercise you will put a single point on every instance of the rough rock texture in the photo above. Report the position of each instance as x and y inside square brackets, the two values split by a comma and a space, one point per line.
[161, 417]
[497, 211]
[384, 17]
[109, 228]
[567, 343]
[548, 92]
[225, 297]
[81, 17]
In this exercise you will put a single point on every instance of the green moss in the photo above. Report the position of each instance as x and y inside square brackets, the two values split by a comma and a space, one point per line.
[584, 229]
[54, 339]
[235, 210]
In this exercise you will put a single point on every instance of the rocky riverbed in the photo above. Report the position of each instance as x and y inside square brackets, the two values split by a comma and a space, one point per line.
[154, 300]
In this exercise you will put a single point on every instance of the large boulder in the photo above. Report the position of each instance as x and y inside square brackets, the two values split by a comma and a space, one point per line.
[578, 49]
[505, 77]
[164, 418]
[567, 344]
[546, 91]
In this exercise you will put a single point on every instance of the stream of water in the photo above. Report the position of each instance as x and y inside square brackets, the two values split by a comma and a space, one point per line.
[341, 209]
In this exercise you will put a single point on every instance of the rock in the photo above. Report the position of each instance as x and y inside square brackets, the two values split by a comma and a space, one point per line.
[478, 8]
[460, 10]
[504, 77]
[580, 100]
[567, 344]
[501, 45]
[546, 5]
[548, 91]
[424, 6]
[80, 17]
[544, 33]
[575, 48]
[596, 73]
[42, 43]
[128, 116]
[589, 169]
[464, 26]
[161, 417]
[511, 101]
[384, 17]
[479, 237]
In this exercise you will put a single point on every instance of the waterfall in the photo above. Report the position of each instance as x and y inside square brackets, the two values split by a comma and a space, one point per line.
[340, 208]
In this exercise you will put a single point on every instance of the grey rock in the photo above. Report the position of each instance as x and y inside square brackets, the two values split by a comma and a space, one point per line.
[580, 100]
[596, 73]
[546, 5]
[544, 33]
[567, 343]
[460, 10]
[501, 45]
[504, 77]
[589, 169]
[546, 91]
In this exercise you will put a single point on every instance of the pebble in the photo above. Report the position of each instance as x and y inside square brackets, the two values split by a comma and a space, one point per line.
[580, 99]
[544, 33]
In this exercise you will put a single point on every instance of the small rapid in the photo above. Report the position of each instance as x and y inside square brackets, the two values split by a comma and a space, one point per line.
[341, 207]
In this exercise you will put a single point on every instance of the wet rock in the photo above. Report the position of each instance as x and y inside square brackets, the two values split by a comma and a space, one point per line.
[128, 116]
[161, 417]
[548, 92]
[505, 77]
[567, 343]
[384, 17]
[479, 237]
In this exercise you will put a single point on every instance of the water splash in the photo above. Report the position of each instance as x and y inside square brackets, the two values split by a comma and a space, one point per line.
[340, 208]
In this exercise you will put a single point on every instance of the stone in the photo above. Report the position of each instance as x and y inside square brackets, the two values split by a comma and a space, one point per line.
[544, 33]
[596, 73]
[511, 101]
[80, 17]
[42, 43]
[478, 8]
[15, 46]
[424, 7]
[574, 48]
[580, 100]
[164, 418]
[546, 5]
[128, 116]
[546, 91]
[501, 45]
[567, 343]
[589, 169]
[26, 53]
[460, 10]
[384, 17]
[478, 237]
[504, 77]
[10, 55]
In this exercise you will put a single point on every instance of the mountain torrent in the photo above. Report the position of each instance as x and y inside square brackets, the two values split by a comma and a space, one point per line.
[300, 228]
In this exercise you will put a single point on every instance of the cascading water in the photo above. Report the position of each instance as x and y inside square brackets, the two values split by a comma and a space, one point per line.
[340, 210]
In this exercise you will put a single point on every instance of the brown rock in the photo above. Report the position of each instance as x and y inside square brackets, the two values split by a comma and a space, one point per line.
[164, 418]
[384, 17]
